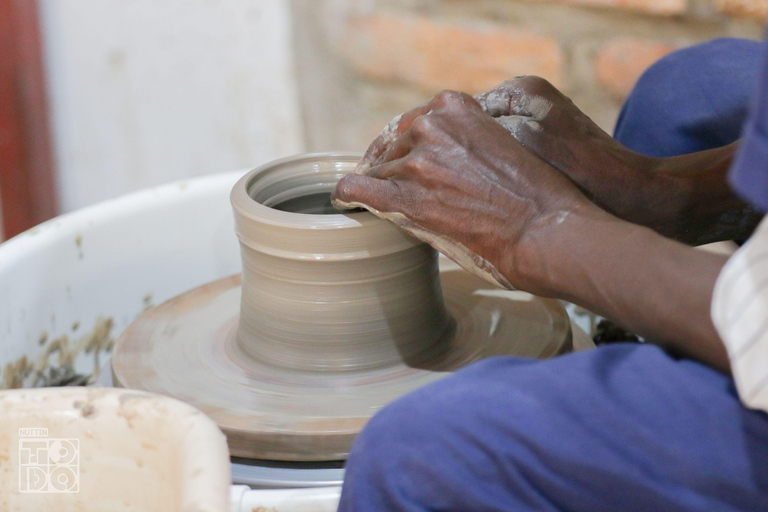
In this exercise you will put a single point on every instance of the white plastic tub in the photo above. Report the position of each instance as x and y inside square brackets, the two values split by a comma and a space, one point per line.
[105, 449]
[72, 285]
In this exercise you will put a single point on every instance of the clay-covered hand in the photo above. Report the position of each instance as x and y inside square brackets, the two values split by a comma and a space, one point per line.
[547, 123]
[455, 178]
[685, 197]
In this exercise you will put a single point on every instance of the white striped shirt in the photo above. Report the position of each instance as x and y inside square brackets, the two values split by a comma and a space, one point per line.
[740, 315]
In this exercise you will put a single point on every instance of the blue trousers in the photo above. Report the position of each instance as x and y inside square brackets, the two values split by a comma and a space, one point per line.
[622, 427]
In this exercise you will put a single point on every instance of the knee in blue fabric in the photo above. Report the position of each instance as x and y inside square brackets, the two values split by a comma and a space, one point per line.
[693, 99]
[391, 464]
[430, 449]
[387, 456]
[623, 427]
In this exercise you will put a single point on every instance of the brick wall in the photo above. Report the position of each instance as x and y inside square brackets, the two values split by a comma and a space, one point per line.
[361, 62]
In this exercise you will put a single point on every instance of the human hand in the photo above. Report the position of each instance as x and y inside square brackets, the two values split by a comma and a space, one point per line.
[453, 177]
[548, 124]
[685, 197]
[456, 178]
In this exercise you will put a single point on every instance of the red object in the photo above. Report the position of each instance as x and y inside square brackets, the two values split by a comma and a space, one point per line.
[27, 190]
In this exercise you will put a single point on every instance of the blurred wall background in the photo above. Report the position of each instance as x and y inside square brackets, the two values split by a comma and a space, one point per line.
[144, 92]
[361, 62]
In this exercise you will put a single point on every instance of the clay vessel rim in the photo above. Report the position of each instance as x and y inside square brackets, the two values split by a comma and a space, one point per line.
[251, 209]
[304, 236]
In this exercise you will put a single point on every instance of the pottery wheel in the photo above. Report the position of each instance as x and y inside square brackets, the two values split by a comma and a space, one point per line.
[186, 348]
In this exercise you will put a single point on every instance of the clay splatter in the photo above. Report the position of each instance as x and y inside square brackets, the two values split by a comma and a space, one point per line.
[148, 302]
[79, 243]
[15, 373]
[62, 372]
[86, 409]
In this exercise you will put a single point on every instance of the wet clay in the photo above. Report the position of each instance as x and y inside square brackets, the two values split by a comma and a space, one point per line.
[330, 292]
[334, 317]
[456, 251]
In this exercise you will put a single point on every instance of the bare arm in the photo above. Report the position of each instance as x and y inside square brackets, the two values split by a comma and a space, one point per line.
[650, 284]
[700, 205]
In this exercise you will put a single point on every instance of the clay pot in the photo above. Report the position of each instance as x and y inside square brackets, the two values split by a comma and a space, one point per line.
[329, 292]
[338, 316]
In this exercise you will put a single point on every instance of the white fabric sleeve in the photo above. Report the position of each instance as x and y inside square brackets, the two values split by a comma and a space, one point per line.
[740, 315]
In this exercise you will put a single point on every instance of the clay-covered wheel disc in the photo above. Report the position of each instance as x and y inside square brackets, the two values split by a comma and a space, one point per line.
[185, 348]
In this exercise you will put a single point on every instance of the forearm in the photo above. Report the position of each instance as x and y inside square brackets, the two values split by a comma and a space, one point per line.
[656, 287]
[695, 202]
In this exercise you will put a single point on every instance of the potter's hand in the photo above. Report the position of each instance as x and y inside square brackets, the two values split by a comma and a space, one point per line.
[546, 122]
[450, 175]
[685, 197]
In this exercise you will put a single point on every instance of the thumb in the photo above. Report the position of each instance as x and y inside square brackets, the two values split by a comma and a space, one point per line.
[357, 191]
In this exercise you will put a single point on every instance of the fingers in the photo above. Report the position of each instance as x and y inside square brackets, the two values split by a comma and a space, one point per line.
[371, 193]
[533, 137]
[399, 148]
[389, 135]
[528, 96]
[528, 132]
[388, 170]
[515, 124]
[453, 100]
[391, 145]
[397, 162]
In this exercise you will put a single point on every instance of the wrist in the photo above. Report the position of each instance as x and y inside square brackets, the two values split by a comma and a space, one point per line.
[632, 187]
[550, 260]
[700, 205]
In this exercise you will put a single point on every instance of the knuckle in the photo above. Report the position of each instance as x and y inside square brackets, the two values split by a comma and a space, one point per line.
[423, 125]
[416, 165]
[517, 83]
[449, 97]
[533, 84]
[525, 81]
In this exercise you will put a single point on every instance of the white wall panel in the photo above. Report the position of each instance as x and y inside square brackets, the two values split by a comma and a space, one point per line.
[148, 91]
